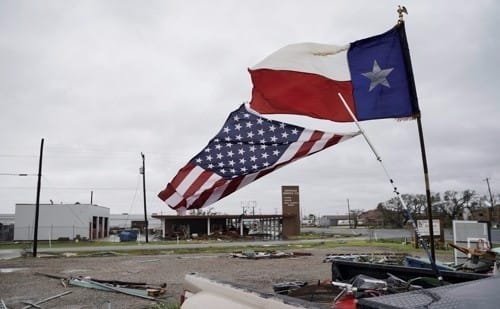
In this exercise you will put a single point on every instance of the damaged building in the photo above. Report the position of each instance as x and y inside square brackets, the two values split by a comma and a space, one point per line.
[273, 226]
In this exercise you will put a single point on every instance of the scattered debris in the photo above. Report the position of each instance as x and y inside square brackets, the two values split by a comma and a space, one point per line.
[302, 253]
[149, 261]
[287, 286]
[139, 289]
[344, 270]
[194, 257]
[379, 258]
[256, 255]
[72, 271]
[31, 304]
[89, 283]
[44, 300]
[320, 292]
[106, 253]
[480, 260]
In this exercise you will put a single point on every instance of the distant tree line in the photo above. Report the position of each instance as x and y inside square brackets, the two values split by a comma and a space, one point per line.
[449, 206]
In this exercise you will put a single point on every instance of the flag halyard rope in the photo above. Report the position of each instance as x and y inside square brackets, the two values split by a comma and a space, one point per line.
[391, 181]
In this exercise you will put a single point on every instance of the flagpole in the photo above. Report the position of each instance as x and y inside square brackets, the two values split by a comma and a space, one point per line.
[427, 187]
[410, 217]
[411, 81]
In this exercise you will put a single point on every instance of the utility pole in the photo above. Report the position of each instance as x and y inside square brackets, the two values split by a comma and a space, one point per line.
[489, 190]
[349, 213]
[143, 172]
[91, 197]
[37, 209]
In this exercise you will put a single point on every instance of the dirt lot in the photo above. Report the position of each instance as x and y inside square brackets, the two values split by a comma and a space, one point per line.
[25, 285]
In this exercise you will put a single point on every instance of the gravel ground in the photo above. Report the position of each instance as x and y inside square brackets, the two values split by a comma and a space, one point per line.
[24, 284]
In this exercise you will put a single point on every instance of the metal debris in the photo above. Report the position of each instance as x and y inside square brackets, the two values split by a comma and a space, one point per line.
[88, 283]
[31, 304]
[139, 289]
[256, 255]
[44, 300]
[149, 261]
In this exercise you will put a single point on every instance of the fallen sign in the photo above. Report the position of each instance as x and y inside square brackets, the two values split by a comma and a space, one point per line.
[138, 289]
[89, 283]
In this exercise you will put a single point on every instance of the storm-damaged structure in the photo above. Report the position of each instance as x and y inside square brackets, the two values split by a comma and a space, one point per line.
[235, 226]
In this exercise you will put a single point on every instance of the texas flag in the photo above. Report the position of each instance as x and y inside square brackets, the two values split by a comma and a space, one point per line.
[374, 76]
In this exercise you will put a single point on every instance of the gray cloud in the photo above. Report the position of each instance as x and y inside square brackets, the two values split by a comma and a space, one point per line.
[103, 81]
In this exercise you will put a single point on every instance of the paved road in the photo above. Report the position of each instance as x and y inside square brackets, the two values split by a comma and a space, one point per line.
[6, 254]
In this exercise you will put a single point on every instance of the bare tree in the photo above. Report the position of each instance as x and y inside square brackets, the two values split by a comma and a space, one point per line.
[417, 203]
[312, 219]
[455, 203]
[395, 213]
[392, 213]
[354, 217]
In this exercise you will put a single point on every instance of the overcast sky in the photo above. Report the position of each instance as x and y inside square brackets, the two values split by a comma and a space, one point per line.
[102, 81]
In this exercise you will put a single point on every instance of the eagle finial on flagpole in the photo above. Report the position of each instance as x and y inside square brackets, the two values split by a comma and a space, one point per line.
[401, 10]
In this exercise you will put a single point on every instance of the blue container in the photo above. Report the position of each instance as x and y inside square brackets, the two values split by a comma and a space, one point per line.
[128, 236]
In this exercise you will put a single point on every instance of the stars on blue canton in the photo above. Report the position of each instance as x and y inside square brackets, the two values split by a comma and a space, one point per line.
[246, 144]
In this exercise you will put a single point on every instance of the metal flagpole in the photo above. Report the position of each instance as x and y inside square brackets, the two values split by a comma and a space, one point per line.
[410, 217]
[411, 81]
[427, 186]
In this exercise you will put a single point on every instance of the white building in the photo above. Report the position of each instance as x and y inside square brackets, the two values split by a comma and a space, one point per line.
[7, 219]
[126, 220]
[61, 221]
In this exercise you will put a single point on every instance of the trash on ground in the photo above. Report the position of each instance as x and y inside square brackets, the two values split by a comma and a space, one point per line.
[256, 255]
[138, 289]
[378, 258]
[35, 305]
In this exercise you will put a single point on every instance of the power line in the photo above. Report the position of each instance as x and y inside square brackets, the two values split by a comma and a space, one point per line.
[88, 152]
[18, 174]
[73, 188]
[17, 156]
[135, 194]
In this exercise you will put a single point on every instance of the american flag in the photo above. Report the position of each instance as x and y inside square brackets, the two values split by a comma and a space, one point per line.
[247, 147]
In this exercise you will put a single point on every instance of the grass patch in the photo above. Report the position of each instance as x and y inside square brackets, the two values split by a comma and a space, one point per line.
[106, 248]
[385, 245]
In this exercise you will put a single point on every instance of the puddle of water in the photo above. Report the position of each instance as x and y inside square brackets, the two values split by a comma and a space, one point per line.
[11, 270]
